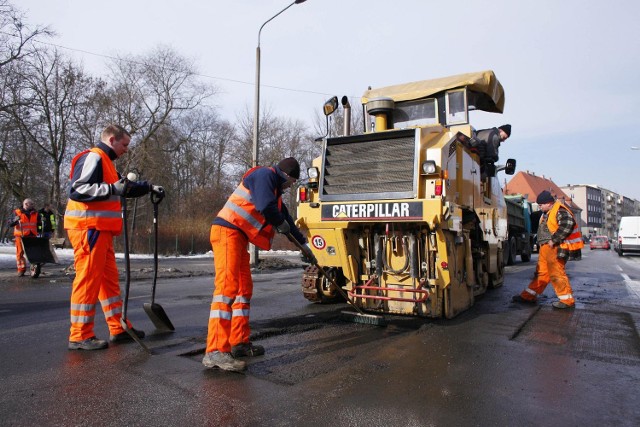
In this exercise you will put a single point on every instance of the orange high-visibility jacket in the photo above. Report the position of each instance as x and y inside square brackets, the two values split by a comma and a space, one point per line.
[28, 226]
[574, 240]
[241, 212]
[99, 215]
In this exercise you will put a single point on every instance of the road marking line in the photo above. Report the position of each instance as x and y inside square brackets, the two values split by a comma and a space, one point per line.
[618, 267]
[633, 286]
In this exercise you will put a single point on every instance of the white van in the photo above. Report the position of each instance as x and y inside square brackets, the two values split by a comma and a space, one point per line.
[629, 234]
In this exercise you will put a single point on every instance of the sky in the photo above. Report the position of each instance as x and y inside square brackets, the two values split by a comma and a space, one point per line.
[570, 68]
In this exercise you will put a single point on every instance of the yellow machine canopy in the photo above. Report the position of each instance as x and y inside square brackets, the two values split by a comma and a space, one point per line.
[489, 94]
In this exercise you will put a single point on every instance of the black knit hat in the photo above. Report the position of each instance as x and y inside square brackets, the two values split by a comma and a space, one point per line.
[290, 166]
[545, 197]
[506, 129]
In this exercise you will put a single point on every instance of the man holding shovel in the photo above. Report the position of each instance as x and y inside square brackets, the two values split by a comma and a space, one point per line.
[251, 215]
[92, 218]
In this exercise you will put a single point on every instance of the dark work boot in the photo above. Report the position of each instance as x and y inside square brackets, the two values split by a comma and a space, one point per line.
[519, 299]
[561, 306]
[125, 337]
[92, 343]
[224, 361]
[247, 349]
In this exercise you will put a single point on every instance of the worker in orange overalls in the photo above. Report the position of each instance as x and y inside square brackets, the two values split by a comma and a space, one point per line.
[559, 238]
[26, 223]
[250, 215]
[92, 218]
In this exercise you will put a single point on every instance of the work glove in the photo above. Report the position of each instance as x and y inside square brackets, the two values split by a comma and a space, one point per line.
[126, 188]
[158, 190]
[14, 221]
[284, 227]
[307, 255]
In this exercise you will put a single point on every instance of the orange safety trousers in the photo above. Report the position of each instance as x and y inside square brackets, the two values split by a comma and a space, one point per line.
[550, 269]
[21, 262]
[96, 280]
[229, 315]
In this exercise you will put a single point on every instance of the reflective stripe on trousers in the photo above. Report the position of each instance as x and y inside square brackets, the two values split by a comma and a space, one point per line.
[230, 307]
[550, 269]
[96, 280]
[21, 262]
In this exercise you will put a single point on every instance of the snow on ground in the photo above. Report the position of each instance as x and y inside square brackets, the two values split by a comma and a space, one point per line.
[65, 256]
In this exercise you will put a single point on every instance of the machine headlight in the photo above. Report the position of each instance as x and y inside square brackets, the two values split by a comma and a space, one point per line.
[429, 167]
[313, 173]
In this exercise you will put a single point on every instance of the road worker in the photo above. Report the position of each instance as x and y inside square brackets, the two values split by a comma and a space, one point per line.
[490, 140]
[558, 238]
[48, 218]
[250, 215]
[92, 218]
[26, 223]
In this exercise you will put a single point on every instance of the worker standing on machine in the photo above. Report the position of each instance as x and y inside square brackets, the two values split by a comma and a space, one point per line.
[250, 215]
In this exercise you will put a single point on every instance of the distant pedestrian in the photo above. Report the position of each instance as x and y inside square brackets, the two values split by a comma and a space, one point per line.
[92, 219]
[48, 218]
[252, 214]
[559, 238]
[26, 223]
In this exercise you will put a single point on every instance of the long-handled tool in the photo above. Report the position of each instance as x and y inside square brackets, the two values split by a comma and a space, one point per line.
[155, 311]
[360, 316]
[127, 272]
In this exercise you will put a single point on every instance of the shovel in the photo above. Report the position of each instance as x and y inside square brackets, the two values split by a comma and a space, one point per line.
[127, 266]
[155, 311]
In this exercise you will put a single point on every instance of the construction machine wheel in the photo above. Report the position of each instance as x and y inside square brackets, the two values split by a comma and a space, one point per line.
[317, 288]
[513, 250]
[525, 256]
[497, 279]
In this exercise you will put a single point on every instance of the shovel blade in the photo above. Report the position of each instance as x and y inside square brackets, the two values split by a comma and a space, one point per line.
[133, 335]
[158, 316]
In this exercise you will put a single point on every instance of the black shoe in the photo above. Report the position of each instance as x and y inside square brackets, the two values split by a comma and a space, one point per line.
[518, 298]
[247, 349]
[561, 306]
[92, 343]
[125, 337]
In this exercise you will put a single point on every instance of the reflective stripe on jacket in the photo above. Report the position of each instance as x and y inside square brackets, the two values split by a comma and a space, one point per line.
[241, 212]
[99, 215]
[28, 225]
[574, 240]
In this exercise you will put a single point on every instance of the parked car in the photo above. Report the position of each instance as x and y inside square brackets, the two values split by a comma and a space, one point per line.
[600, 242]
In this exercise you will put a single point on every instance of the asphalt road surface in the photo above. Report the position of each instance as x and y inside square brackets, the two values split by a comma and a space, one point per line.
[498, 363]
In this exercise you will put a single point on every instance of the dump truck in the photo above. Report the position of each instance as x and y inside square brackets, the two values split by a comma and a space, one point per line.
[520, 236]
[405, 217]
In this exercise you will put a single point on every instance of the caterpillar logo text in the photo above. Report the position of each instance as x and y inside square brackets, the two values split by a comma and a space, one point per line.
[372, 211]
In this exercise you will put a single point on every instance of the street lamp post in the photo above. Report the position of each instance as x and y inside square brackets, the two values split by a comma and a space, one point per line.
[256, 114]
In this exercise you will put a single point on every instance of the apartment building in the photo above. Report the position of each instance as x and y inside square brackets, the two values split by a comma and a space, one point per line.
[602, 208]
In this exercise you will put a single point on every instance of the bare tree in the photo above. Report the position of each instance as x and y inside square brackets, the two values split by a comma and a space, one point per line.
[16, 36]
[16, 43]
[150, 91]
[54, 88]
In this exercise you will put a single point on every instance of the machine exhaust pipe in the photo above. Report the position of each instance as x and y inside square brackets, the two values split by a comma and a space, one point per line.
[346, 126]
